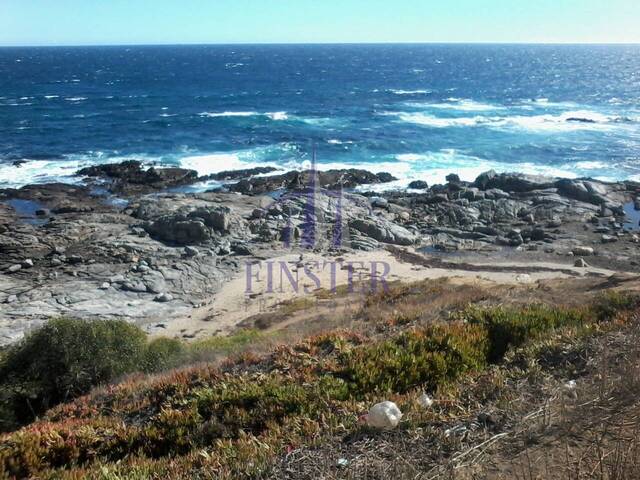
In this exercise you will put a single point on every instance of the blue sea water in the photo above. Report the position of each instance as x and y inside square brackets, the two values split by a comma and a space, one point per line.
[417, 111]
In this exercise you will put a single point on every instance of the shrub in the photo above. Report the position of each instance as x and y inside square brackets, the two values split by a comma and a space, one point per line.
[163, 354]
[611, 303]
[510, 327]
[429, 357]
[223, 345]
[63, 360]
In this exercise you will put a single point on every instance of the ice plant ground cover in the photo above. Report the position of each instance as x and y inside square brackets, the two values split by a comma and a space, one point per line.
[243, 417]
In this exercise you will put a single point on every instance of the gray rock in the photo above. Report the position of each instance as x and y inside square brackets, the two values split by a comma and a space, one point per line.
[136, 287]
[383, 232]
[492, 231]
[74, 259]
[452, 178]
[379, 202]
[218, 218]
[537, 234]
[366, 244]
[582, 251]
[483, 179]
[14, 268]
[258, 213]
[580, 263]
[241, 248]
[418, 185]
[585, 191]
[155, 283]
[11, 299]
[224, 248]
[472, 194]
[117, 279]
[512, 182]
[163, 298]
[191, 251]
[179, 229]
[554, 223]
[496, 194]
[105, 286]
[437, 198]
[28, 263]
[608, 239]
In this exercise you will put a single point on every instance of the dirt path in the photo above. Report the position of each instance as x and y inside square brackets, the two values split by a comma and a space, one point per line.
[263, 286]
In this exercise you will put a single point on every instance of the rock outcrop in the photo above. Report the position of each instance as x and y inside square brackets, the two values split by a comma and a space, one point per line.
[131, 178]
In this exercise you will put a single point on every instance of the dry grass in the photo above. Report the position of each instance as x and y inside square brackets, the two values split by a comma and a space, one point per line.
[514, 421]
[293, 412]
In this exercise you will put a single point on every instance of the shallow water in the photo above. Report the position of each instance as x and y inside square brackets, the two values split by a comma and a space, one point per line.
[632, 217]
[26, 211]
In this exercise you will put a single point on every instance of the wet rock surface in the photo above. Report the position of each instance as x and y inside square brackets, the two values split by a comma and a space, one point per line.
[331, 180]
[132, 178]
[159, 255]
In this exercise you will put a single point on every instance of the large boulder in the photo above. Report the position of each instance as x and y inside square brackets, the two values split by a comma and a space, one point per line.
[218, 218]
[418, 185]
[385, 232]
[229, 175]
[179, 230]
[131, 177]
[586, 191]
[294, 180]
[512, 182]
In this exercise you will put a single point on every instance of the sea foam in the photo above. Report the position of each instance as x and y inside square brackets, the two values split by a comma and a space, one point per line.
[567, 121]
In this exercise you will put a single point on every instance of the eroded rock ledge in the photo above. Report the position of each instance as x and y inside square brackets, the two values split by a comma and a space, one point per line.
[151, 255]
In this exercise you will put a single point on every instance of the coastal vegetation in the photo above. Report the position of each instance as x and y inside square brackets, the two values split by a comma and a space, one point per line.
[238, 418]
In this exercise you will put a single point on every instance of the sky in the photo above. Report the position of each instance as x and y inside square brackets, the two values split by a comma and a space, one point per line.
[117, 22]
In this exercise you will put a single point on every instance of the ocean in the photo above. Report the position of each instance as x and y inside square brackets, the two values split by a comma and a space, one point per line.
[416, 111]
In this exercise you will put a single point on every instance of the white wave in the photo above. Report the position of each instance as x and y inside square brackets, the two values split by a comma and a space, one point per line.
[51, 97]
[76, 99]
[284, 155]
[546, 103]
[409, 92]
[433, 167]
[567, 121]
[587, 165]
[276, 116]
[38, 171]
[335, 141]
[436, 122]
[458, 104]
[228, 114]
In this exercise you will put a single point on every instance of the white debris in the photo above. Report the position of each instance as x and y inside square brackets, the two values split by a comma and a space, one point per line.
[342, 462]
[570, 389]
[425, 401]
[457, 430]
[384, 415]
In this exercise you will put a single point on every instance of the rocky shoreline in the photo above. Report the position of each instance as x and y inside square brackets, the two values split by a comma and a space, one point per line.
[128, 243]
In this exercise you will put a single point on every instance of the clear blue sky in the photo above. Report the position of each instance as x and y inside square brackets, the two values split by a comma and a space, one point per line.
[86, 22]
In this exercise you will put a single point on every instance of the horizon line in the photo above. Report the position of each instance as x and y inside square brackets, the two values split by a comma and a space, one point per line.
[81, 45]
